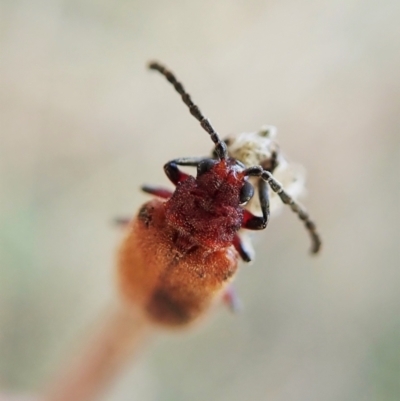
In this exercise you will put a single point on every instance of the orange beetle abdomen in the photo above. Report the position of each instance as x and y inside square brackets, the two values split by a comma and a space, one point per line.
[166, 273]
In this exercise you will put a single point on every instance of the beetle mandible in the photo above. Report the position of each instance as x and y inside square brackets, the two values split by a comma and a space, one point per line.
[183, 248]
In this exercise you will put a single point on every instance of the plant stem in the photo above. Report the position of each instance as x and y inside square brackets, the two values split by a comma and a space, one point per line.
[120, 334]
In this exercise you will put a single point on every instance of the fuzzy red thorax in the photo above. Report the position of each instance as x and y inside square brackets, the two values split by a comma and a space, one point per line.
[206, 209]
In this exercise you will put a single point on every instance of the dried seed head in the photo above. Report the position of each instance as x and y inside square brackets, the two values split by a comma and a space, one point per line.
[261, 148]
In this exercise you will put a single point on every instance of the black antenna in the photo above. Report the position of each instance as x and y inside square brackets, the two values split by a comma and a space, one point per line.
[220, 146]
[276, 186]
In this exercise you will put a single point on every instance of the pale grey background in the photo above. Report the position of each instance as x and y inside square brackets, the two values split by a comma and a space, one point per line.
[83, 125]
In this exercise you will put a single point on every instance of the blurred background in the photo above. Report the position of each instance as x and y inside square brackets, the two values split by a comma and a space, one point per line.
[83, 124]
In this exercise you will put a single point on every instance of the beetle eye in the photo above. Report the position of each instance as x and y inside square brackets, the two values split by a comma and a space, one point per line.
[205, 165]
[246, 193]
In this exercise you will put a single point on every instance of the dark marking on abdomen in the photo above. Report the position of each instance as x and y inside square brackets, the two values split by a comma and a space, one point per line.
[164, 309]
[145, 214]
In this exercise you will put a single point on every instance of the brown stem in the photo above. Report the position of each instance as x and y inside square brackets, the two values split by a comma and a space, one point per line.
[120, 334]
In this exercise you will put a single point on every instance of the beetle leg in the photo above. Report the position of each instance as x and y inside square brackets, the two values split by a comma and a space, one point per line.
[276, 186]
[232, 300]
[296, 208]
[122, 221]
[252, 222]
[174, 174]
[157, 191]
[241, 248]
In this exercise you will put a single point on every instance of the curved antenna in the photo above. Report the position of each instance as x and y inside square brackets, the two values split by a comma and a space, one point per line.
[220, 146]
[276, 186]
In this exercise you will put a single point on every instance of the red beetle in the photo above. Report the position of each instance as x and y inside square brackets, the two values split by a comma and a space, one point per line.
[182, 249]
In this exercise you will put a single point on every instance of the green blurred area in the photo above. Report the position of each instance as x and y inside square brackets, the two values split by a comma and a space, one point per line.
[83, 125]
